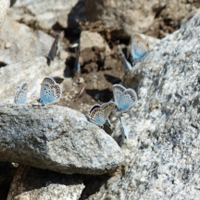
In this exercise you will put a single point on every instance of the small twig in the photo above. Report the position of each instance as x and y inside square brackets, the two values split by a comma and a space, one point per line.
[79, 94]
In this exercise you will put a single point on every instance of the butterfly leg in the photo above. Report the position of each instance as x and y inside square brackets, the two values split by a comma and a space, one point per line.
[109, 123]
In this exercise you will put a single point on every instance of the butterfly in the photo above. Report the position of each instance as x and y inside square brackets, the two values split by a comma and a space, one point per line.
[54, 48]
[50, 91]
[99, 114]
[139, 47]
[127, 65]
[21, 94]
[124, 98]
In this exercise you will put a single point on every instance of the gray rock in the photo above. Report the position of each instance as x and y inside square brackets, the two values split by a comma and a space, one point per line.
[162, 152]
[21, 43]
[4, 5]
[56, 138]
[48, 13]
[31, 71]
[31, 183]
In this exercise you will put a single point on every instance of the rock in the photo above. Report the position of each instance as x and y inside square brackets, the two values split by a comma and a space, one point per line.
[93, 45]
[162, 152]
[49, 13]
[56, 138]
[32, 71]
[24, 44]
[4, 5]
[46, 185]
[125, 17]
[89, 40]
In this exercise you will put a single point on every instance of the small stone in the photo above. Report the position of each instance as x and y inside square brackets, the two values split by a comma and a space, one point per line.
[8, 45]
[81, 80]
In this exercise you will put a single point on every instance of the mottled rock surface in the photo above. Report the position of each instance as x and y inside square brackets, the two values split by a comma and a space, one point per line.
[31, 71]
[49, 14]
[4, 5]
[162, 152]
[55, 138]
[24, 45]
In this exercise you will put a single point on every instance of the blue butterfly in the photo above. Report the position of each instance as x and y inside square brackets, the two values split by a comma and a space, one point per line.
[139, 47]
[127, 65]
[50, 91]
[99, 114]
[54, 48]
[124, 98]
[21, 94]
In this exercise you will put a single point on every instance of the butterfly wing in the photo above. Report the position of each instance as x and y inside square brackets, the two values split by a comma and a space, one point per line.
[127, 65]
[54, 48]
[96, 115]
[139, 47]
[21, 94]
[107, 109]
[127, 100]
[117, 92]
[50, 91]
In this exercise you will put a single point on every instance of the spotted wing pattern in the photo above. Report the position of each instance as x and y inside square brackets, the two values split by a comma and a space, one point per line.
[124, 98]
[21, 94]
[139, 47]
[50, 91]
[99, 114]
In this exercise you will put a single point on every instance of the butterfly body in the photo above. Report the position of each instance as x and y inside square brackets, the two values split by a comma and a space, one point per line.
[50, 91]
[139, 47]
[99, 113]
[124, 98]
[21, 94]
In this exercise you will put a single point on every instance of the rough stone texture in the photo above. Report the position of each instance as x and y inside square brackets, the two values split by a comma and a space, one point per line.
[32, 71]
[93, 43]
[49, 13]
[34, 184]
[55, 138]
[24, 45]
[154, 17]
[4, 5]
[89, 40]
[162, 154]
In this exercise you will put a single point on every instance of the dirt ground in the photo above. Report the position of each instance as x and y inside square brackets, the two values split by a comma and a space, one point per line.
[93, 84]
